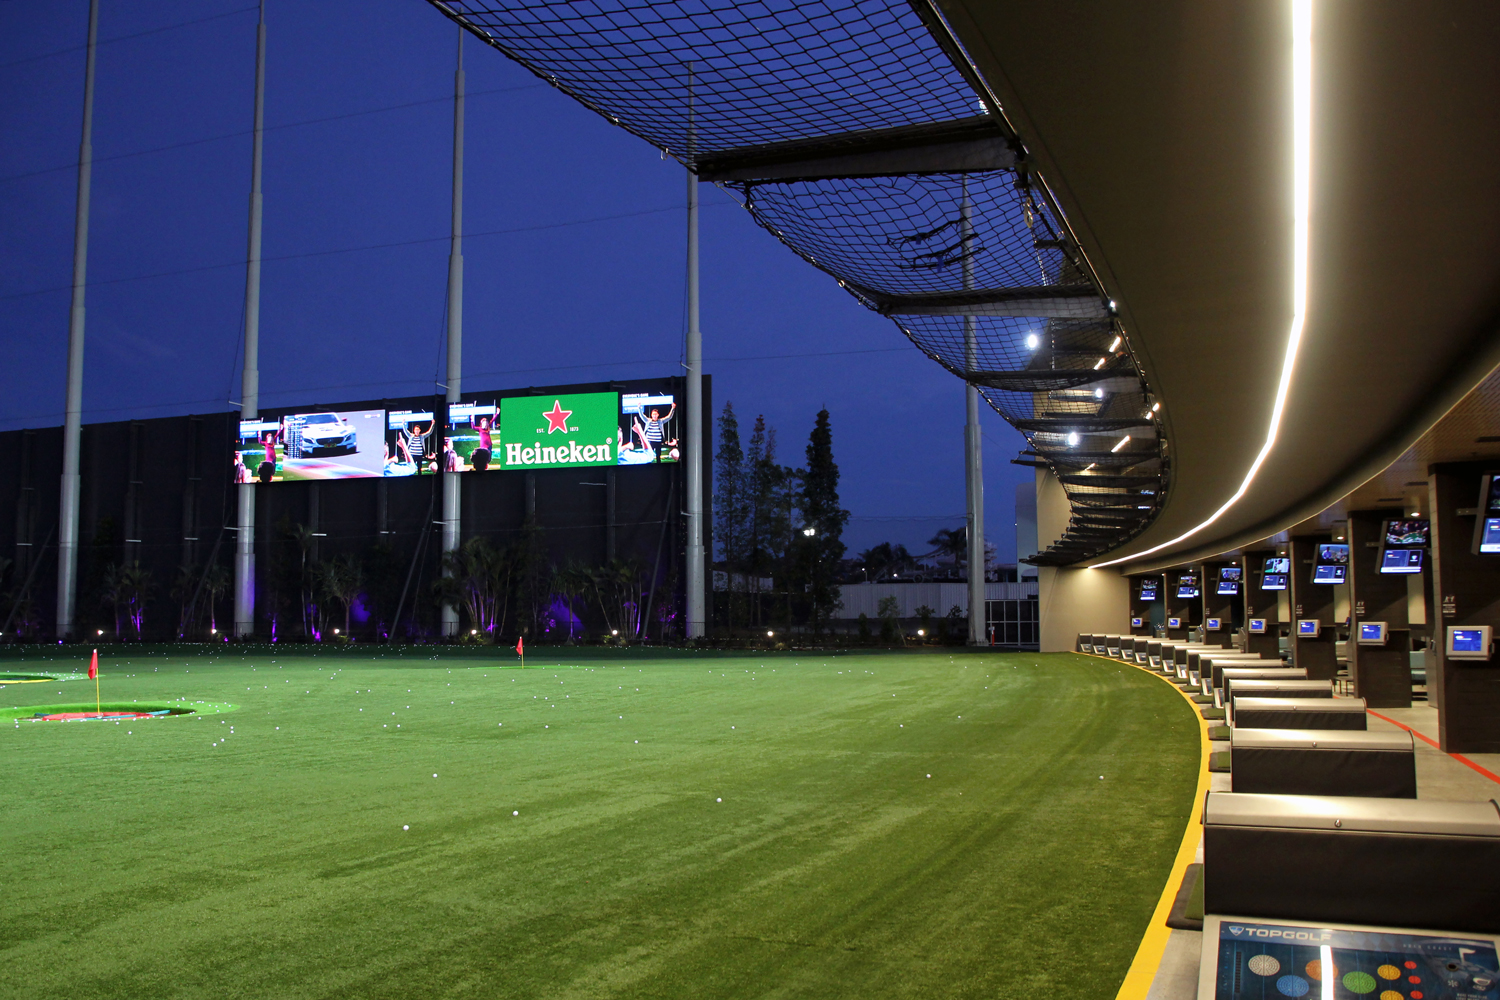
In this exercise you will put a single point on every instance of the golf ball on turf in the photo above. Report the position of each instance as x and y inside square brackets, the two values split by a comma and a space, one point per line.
[516, 813]
[718, 800]
[405, 827]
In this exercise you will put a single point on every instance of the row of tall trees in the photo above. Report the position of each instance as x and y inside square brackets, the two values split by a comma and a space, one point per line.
[779, 523]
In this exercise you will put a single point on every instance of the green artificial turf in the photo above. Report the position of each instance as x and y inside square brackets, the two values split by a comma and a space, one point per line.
[262, 853]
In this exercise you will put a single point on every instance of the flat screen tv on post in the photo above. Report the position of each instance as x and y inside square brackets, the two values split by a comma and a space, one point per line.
[1308, 628]
[311, 446]
[1372, 633]
[1257, 626]
[1278, 565]
[1330, 573]
[1411, 533]
[1273, 581]
[1187, 586]
[1150, 589]
[1332, 564]
[1137, 622]
[1468, 642]
[1232, 574]
[1402, 560]
[1228, 588]
[1487, 523]
[1174, 623]
[1213, 624]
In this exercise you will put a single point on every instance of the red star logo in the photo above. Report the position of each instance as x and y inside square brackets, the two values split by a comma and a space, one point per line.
[557, 420]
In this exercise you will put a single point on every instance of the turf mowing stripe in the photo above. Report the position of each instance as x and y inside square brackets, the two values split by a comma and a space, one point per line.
[1153, 945]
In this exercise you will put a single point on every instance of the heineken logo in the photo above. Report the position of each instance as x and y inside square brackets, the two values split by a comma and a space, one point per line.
[559, 431]
[557, 417]
[568, 454]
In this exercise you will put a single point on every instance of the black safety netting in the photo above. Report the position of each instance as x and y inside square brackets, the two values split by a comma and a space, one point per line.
[706, 76]
[922, 234]
[975, 266]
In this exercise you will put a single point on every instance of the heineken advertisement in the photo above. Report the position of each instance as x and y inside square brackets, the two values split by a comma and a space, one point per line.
[554, 432]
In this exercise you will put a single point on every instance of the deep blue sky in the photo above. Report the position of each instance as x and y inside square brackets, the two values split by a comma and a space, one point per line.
[564, 296]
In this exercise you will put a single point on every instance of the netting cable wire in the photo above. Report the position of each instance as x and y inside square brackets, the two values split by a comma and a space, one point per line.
[1000, 292]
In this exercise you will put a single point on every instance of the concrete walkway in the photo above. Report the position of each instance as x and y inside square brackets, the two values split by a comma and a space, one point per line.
[1439, 776]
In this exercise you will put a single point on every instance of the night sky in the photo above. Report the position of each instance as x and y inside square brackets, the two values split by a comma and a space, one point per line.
[574, 262]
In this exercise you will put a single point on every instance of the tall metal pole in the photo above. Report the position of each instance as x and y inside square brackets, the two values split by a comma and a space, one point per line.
[973, 448]
[452, 512]
[693, 415]
[67, 515]
[244, 543]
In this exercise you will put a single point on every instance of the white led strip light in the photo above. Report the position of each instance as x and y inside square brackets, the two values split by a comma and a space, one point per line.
[1301, 197]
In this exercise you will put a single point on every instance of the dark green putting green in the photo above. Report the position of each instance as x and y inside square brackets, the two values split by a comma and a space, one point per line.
[554, 855]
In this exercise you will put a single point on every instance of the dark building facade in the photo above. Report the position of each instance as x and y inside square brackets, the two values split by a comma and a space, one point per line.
[585, 549]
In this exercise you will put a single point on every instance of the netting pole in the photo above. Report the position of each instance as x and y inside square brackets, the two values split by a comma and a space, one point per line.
[67, 514]
[693, 417]
[452, 510]
[973, 445]
[244, 542]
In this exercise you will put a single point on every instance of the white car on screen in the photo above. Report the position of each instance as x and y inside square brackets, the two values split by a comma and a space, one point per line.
[321, 434]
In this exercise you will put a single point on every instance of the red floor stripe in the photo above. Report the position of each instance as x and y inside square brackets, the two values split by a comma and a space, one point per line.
[1433, 743]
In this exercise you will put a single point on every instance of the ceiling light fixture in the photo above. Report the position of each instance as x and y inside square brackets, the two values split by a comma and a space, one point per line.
[1301, 198]
[1098, 393]
[1123, 442]
[1032, 342]
[1072, 439]
[1099, 364]
[1116, 345]
[1155, 407]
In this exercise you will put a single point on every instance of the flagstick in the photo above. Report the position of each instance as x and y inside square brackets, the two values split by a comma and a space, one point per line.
[97, 710]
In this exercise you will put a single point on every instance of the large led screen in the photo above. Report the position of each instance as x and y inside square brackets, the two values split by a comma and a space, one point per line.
[648, 429]
[1278, 564]
[562, 431]
[1187, 585]
[322, 444]
[1487, 524]
[1149, 590]
[412, 447]
[1411, 533]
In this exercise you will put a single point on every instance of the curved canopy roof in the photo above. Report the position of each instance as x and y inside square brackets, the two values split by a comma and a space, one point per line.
[1165, 131]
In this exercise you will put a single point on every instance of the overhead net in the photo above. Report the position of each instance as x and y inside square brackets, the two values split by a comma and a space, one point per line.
[976, 266]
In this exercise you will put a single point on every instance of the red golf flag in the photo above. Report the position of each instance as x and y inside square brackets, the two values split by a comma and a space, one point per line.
[520, 649]
[94, 666]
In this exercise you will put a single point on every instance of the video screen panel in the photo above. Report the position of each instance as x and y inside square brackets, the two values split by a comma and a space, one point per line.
[411, 444]
[648, 428]
[1329, 573]
[1273, 581]
[1333, 553]
[1279, 564]
[1230, 573]
[1187, 585]
[1401, 560]
[473, 428]
[566, 430]
[1487, 524]
[1410, 533]
[1150, 589]
[317, 445]
[1228, 588]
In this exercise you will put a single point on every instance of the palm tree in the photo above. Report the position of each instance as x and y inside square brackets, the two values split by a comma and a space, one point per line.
[477, 577]
[341, 580]
[951, 542]
[568, 583]
[215, 582]
[111, 592]
[133, 587]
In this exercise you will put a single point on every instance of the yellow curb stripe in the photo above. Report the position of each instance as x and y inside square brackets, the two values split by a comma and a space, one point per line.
[1153, 944]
